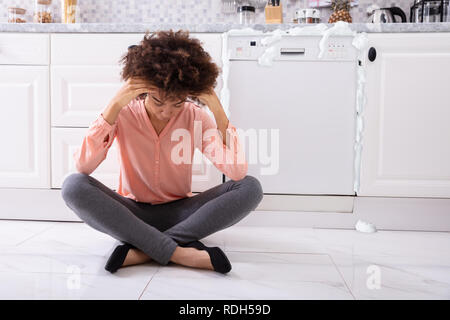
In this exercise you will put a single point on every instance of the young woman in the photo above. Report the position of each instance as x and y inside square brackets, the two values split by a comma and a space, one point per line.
[153, 213]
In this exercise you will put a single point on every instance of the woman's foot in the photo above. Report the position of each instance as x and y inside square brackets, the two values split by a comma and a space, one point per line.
[192, 257]
[125, 255]
[200, 256]
[135, 256]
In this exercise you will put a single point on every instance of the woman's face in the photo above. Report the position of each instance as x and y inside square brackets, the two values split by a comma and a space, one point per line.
[163, 108]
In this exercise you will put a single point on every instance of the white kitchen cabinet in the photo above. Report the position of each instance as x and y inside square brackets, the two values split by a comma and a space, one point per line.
[25, 129]
[24, 49]
[406, 135]
[78, 91]
[83, 83]
[65, 141]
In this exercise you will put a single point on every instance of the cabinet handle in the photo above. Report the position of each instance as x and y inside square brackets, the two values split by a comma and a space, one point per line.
[372, 54]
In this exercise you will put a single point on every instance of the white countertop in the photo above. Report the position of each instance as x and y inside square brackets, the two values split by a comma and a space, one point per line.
[209, 28]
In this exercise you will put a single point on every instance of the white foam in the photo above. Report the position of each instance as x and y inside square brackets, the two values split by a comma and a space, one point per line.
[366, 227]
[318, 29]
[266, 59]
[360, 42]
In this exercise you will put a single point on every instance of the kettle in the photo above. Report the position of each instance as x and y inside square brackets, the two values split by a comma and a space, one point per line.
[385, 15]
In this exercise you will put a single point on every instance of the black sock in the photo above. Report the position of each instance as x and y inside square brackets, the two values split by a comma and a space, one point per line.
[117, 258]
[219, 260]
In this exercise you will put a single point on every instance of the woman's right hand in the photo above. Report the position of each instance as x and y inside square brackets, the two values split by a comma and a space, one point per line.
[132, 88]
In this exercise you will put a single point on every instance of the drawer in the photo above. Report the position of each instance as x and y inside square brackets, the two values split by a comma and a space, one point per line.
[88, 49]
[107, 49]
[24, 49]
[80, 93]
[65, 141]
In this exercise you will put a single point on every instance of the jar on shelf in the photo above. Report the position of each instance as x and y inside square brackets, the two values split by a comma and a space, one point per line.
[246, 14]
[70, 11]
[43, 11]
[16, 15]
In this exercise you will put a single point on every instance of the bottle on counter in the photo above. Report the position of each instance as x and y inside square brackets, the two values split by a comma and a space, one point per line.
[16, 15]
[69, 11]
[309, 15]
[43, 11]
[316, 16]
[305, 14]
[446, 10]
[301, 15]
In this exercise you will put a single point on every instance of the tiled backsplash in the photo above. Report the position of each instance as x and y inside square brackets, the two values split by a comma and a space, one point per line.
[180, 11]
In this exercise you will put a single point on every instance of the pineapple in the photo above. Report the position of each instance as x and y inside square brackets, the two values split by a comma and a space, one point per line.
[341, 11]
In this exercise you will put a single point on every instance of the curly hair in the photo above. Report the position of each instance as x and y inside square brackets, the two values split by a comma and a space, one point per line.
[172, 62]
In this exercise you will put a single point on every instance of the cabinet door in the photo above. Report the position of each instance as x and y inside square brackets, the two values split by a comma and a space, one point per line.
[65, 141]
[25, 129]
[406, 135]
[80, 93]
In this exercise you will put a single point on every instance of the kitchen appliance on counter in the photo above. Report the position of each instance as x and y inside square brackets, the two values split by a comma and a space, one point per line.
[427, 11]
[310, 102]
[385, 15]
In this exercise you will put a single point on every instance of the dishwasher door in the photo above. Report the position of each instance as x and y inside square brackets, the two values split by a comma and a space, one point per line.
[313, 105]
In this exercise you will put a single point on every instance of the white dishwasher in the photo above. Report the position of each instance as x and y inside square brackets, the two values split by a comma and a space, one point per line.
[298, 116]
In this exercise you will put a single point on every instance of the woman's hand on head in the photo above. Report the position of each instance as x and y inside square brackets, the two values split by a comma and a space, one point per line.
[208, 98]
[132, 88]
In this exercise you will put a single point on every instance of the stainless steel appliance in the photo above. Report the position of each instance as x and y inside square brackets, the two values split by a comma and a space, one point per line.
[387, 15]
[428, 11]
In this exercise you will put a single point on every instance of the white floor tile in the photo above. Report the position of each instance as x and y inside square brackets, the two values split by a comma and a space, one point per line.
[44, 260]
[277, 239]
[254, 276]
[13, 232]
[125, 284]
[391, 264]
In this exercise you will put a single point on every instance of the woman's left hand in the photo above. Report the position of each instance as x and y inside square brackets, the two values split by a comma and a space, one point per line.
[210, 99]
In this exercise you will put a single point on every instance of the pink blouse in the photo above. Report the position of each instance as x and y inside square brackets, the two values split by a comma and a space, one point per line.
[158, 169]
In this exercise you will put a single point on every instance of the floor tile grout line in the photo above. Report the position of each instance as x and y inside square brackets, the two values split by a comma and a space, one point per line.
[342, 277]
[34, 235]
[57, 272]
[145, 288]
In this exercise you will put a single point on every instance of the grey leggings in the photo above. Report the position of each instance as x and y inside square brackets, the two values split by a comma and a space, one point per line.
[158, 229]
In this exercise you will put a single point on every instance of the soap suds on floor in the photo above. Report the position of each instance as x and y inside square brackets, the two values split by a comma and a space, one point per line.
[366, 227]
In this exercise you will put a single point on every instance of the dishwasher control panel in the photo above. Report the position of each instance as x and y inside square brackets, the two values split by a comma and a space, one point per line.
[294, 48]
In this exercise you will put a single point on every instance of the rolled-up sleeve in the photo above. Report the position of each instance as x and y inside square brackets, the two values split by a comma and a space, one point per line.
[230, 160]
[95, 145]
